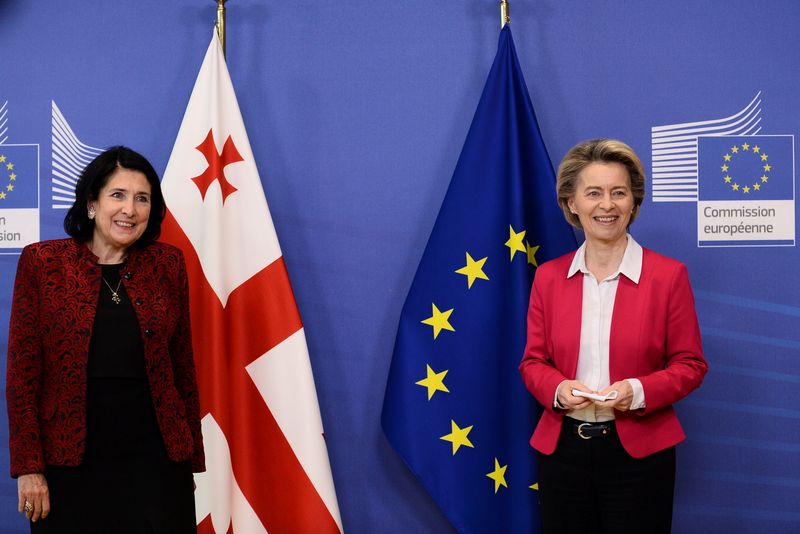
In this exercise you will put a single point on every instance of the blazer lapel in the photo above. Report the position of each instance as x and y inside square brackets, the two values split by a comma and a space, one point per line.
[630, 308]
[88, 292]
[568, 323]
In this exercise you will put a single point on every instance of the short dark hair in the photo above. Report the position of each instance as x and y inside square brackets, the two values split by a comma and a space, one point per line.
[95, 176]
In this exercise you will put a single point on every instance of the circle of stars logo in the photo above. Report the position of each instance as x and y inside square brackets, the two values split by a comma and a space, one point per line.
[7, 168]
[745, 154]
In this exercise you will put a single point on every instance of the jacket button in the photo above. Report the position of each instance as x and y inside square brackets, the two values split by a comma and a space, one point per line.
[149, 333]
[138, 302]
[128, 276]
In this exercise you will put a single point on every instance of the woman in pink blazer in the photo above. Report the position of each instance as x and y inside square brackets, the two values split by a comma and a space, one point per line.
[613, 342]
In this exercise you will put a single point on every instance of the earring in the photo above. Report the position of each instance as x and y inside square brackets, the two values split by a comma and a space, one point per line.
[91, 213]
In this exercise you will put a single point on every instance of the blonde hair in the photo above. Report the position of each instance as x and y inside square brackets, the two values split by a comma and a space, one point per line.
[598, 151]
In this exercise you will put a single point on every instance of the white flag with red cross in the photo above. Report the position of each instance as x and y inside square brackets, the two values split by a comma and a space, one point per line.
[267, 462]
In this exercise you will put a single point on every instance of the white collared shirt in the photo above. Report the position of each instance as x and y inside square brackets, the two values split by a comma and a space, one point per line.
[596, 314]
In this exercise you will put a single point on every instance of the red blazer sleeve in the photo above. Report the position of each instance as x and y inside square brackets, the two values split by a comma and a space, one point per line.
[538, 368]
[684, 366]
[24, 371]
[180, 349]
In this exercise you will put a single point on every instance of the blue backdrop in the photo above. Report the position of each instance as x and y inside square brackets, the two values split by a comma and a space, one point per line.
[357, 113]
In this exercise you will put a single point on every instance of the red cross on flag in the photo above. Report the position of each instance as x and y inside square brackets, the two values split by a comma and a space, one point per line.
[268, 468]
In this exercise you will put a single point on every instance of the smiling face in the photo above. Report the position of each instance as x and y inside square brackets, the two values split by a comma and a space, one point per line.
[603, 202]
[121, 212]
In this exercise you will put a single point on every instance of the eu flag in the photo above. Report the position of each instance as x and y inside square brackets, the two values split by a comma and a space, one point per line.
[19, 176]
[455, 407]
[744, 168]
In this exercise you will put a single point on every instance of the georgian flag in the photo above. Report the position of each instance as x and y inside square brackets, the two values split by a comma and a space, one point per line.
[268, 467]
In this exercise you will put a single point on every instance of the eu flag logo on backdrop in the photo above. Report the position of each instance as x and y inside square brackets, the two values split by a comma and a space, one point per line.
[758, 167]
[19, 176]
[455, 408]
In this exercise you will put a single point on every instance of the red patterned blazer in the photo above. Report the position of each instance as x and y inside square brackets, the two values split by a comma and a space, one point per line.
[52, 315]
[655, 337]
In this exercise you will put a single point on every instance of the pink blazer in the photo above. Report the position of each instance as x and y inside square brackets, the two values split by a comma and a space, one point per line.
[655, 337]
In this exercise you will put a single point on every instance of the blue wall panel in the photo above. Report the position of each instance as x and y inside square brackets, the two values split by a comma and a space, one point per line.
[356, 113]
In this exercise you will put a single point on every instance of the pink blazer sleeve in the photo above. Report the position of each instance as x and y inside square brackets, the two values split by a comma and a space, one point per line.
[553, 326]
[683, 364]
[538, 373]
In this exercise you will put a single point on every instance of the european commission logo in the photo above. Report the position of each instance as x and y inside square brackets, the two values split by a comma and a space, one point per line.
[70, 155]
[22, 217]
[19, 191]
[741, 180]
[19, 196]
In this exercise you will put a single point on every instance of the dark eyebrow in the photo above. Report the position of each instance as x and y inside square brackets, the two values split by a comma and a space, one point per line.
[123, 190]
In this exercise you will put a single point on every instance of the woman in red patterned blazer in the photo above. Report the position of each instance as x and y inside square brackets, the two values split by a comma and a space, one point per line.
[102, 397]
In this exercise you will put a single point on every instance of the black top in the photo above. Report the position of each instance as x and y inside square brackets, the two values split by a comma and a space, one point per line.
[116, 349]
[126, 477]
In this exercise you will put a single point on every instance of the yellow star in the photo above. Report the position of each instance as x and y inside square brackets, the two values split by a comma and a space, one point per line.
[12, 176]
[439, 320]
[534, 486]
[764, 157]
[756, 149]
[757, 186]
[10, 187]
[735, 187]
[2, 158]
[458, 436]
[745, 146]
[735, 149]
[498, 475]
[514, 242]
[767, 167]
[2, 194]
[724, 168]
[746, 189]
[727, 179]
[765, 178]
[434, 381]
[726, 157]
[473, 269]
[532, 253]
[9, 166]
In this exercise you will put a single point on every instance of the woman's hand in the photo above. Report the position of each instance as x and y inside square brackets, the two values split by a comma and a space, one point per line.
[624, 396]
[32, 490]
[569, 401]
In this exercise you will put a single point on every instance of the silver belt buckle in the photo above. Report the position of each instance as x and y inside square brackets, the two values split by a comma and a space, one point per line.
[580, 431]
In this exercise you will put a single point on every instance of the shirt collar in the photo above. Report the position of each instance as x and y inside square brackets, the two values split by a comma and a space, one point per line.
[630, 266]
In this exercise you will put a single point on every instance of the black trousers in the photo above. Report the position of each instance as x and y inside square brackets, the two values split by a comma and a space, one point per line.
[592, 486]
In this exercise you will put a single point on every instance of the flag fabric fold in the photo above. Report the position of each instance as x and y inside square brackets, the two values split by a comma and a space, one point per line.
[268, 467]
[455, 408]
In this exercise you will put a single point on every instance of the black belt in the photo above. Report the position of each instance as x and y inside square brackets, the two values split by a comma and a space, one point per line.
[585, 430]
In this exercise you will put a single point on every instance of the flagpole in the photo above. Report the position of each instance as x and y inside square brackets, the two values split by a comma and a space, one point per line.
[221, 23]
[504, 18]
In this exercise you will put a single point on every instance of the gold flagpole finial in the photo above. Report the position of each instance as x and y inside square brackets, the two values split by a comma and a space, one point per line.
[221, 23]
[504, 18]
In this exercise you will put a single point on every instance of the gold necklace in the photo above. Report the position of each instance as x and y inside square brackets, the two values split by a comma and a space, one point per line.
[114, 295]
